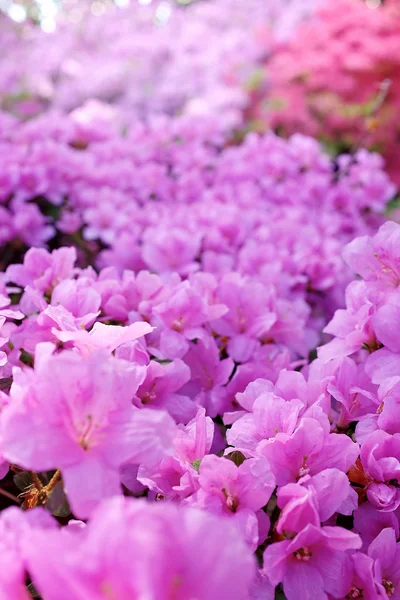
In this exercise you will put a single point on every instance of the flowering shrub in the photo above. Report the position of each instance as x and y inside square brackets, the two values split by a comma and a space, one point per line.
[177, 370]
[338, 79]
[187, 412]
[170, 197]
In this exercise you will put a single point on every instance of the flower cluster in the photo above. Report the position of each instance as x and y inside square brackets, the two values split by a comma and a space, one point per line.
[303, 466]
[171, 197]
[182, 384]
[145, 58]
[129, 550]
[175, 421]
[338, 79]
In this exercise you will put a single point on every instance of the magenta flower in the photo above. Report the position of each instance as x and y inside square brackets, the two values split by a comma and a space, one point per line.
[385, 551]
[161, 387]
[363, 583]
[314, 500]
[369, 522]
[315, 563]
[42, 270]
[240, 492]
[386, 415]
[309, 450]
[171, 250]
[177, 476]
[16, 527]
[183, 316]
[270, 415]
[101, 336]
[352, 327]
[376, 259]
[76, 415]
[208, 375]
[155, 546]
[380, 457]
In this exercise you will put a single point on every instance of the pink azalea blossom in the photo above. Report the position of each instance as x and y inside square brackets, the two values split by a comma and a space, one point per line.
[109, 337]
[312, 501]
[309, 450]
[240, 492]
[177, 476]
[42, 270]
[380, 456]
[155, 545]
[77, 415]
[162, 388]
[317, 561]
[386, 552]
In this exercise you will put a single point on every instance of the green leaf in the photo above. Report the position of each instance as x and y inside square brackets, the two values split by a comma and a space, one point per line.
[15, 298]
[161, 361]
[26, 358]
[313, 355]
[392, 205]
[196, 465]
[275, 104]
[256, 79]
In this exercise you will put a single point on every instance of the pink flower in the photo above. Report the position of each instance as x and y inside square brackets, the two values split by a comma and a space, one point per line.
[15, 528]
[382, 364]
[353, 326]
[155, 546]
[353, 390]
[177, 476]
[250, 316]
[79, 298]
[183, 316]
[314, 500]
[100, 336]
[76, 414]
[385, 551]
[315, 563]
[386, 322]
[171, 250]
[380, 457]
[161, 387]
[240, 492]
[208, 375]
[309, 450]
[369, 522]
[376, 258]
[43, 270]
[270, 415]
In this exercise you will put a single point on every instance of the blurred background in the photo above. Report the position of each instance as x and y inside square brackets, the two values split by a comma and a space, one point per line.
[327, 69]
